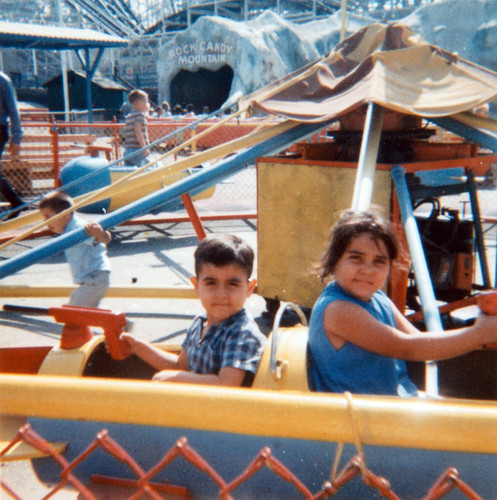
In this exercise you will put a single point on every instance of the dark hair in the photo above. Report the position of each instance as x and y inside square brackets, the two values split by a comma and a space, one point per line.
[57, 201]
[222, 250]
[351, 224]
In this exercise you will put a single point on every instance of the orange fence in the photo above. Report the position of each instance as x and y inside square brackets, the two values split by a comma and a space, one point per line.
[46, 147]
[354, 470]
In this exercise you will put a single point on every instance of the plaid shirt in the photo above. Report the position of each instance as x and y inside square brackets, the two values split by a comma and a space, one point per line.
[236, 342]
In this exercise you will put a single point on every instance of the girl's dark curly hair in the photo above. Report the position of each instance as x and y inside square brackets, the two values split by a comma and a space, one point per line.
[352, 223]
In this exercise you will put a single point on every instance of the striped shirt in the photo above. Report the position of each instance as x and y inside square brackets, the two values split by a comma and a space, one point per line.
[128, 132]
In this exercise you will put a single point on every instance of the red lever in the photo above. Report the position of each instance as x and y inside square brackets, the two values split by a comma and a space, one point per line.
[76, 331]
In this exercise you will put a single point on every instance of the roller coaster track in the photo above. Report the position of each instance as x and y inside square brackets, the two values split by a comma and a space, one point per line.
[114, 16]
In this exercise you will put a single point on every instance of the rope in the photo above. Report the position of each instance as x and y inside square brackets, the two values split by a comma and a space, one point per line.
[355, 431]
[336, 462]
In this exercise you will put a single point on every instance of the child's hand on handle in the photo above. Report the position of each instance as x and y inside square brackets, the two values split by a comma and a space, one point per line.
[487, 302]
[133, 343]
[116, 347]
[95, 230]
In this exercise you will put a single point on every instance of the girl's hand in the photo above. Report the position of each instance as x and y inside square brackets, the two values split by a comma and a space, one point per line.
[487, 325]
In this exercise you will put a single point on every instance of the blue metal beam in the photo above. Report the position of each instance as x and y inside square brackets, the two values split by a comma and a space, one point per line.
[484, 138]
[423, 279]
[169, 195]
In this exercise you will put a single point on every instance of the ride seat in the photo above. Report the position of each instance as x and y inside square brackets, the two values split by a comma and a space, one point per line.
[291, 362]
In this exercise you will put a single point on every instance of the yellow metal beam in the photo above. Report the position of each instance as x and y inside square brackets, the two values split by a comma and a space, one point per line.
[451, 425]
[20, 451]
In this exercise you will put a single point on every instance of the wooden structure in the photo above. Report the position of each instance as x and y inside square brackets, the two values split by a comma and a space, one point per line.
[106, 94]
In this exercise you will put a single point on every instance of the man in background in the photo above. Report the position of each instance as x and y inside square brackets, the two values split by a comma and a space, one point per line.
[9, 111]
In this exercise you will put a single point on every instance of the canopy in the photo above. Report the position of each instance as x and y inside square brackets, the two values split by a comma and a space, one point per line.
[387, 64]
[37, 36]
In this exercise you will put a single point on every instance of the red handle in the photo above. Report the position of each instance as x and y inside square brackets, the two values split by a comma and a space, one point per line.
[77, 321]
[118, 349]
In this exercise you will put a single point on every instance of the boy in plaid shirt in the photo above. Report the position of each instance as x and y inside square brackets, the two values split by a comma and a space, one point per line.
[224, 346]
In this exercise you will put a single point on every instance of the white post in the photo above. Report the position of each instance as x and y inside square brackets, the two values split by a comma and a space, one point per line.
[63, 66]
[35, 65]
[343, 29]
[363, 188]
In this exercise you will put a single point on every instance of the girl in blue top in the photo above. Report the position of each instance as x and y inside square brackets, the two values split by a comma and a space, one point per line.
[357, 337]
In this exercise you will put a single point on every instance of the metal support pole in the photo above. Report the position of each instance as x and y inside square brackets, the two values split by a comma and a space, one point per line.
[88, 86]
[63, 67]
[35, 66]
[343, 29]
[194, 217]
[480, 244]
[423, 280]
[482, 137]
[90, 71]
[65, 84]
[363, 188]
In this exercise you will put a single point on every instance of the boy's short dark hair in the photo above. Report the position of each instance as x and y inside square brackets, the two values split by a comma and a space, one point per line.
[224, 249]
[352, 223]
[57, 201]
[137, 95]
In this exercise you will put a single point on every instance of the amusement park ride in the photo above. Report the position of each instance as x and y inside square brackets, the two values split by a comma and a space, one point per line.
[91, 414]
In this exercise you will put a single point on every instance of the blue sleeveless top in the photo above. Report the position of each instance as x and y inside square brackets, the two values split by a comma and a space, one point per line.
[353, 368]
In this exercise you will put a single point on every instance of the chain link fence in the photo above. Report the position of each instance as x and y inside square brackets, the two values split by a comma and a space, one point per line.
[48, 146]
